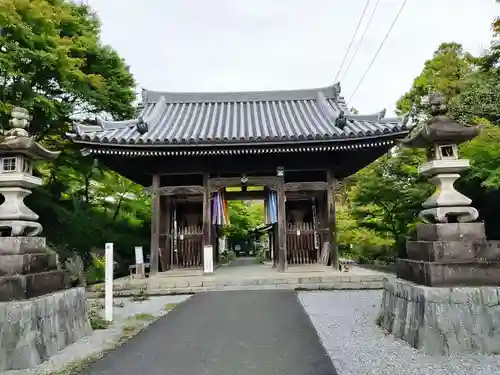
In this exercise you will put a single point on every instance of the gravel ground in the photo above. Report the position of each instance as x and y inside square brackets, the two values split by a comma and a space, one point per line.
[345, 322]
[105, 339]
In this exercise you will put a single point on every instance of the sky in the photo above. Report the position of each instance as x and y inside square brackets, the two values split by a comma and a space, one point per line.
[241, 45]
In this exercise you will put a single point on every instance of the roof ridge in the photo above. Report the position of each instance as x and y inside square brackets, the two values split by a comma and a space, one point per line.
[330, 92]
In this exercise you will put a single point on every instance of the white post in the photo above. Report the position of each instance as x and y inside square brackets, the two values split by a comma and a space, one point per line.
[108, 285]
[208, 260]
[139, 262]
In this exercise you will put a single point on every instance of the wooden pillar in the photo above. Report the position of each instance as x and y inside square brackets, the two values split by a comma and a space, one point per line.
[275, 245]
[207, 217]
[280, 192]
[167, 253]
[155, 224]
[332, 220]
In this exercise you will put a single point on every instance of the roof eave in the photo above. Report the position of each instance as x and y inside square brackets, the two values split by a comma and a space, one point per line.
[393, 135]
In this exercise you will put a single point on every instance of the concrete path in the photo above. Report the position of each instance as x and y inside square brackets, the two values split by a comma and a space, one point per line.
[225, 333]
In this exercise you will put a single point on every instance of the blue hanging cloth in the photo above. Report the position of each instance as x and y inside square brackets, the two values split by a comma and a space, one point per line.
[272, 206]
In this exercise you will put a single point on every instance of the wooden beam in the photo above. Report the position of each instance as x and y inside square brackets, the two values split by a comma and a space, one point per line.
[244, 195]
[306, 186]
[280, 193]
[182, 190]
[155, 224]
[221, 182]
[302, 195]
[332, 220]
[186, 198]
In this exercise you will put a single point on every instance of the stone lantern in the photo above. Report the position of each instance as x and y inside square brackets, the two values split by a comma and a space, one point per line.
[440, 136]
[17, 152]
[446, 297]
[39, 315]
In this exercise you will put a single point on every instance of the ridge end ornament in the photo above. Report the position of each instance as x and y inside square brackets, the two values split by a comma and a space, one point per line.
[341, 120]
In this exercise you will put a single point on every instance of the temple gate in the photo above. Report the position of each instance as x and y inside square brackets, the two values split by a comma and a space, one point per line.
[188, 148]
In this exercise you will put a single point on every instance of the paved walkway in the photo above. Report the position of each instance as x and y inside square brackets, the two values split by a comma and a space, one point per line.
[225, 333]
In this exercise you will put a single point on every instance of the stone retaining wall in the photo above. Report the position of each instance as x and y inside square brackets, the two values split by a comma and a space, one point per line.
[442, 320]
[33, 330]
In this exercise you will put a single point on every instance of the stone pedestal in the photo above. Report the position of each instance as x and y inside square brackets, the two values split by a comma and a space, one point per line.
[451, 254]
[31, 331]
[442, 320]
[28, 269]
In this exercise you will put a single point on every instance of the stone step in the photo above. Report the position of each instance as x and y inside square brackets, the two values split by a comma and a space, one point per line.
[19, 287]
[165, 286]
[27, 263]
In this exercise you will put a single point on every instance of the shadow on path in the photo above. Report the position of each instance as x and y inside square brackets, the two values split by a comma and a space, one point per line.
[225, 333]
[244, 261]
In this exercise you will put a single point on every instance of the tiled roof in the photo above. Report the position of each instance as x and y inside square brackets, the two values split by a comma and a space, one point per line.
[240, 118]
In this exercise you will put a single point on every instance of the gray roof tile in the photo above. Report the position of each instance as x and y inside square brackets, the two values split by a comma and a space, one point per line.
[239, 117]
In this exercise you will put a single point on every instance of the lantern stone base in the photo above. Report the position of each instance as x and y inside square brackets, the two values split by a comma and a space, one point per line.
[442, 320]
[450, 274]
[451, 255]
[33, 330]
[19, 287]
[28, 269]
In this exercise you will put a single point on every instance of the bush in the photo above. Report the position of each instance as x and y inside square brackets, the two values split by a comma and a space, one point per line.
[227, 256]
[75, 268]
[96, 320]
[260, 254]
[97, 269]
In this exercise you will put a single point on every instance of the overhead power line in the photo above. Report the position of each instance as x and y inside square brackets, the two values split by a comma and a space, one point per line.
[379, 49]
[352, 39]
[360, 41]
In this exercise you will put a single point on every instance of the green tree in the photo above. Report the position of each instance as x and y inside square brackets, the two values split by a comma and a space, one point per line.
[389, 193]
[359, 242]
[243, 216]
[53, 63]
[445, 72]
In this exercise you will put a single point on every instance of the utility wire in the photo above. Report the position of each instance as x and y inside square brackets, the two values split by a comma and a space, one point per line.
[379, 49]
[360, 41]
[352, 39]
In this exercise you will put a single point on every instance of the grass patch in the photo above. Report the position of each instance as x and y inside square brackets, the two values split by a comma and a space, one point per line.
[379, 320]
[130, 330]
[141, 296]
[143, 316]
[169, 306]
[77, 367]
[96, 320]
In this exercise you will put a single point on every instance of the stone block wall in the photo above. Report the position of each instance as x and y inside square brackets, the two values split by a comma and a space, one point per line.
[442, 320]
[33, 330]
